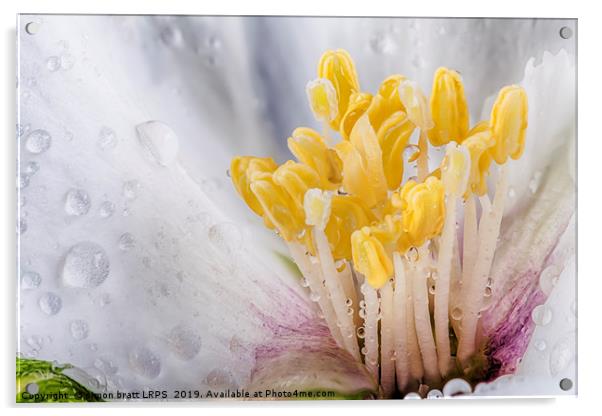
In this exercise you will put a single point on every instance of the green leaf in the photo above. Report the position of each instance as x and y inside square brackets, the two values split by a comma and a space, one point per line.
[44, 382]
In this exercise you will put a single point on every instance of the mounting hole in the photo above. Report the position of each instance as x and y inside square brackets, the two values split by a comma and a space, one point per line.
[566, 32]
[32, 28]
[566, 384]
[32, 388]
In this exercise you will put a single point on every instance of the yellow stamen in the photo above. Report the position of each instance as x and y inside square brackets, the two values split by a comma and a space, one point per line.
[370, 258]
[478, 145]
[358, 104]
[393, 136]
[309, 148]
[322, 99]
[363, 173]
[338, 67]
[509, 123]
[296, 179]
[348, 213]
[448, 108]
[455, 169]
[414, 101]
[243, 169]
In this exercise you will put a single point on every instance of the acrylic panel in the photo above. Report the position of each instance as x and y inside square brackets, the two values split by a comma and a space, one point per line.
[293, 208]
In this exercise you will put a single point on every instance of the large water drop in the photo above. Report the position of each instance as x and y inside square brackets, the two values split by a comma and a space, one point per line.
[79, 329]
[50, 303]
[38, 141]
[144, 362]
[159, 142]
[86, 265]
[30, 280]
[77, 202]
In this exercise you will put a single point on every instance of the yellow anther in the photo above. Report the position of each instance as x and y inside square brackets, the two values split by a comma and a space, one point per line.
[322, 99]
[348, 213]
[363, 173]
[393, 137]
[389, 229]
[455, 169]
[243, 170]
[358, 104]
[309, 148]
[338, 67]
[296, 178]
[370, 258]
[448, 108]
[423, 211]
[386, 101]
[509, 123]
[414, 101]
[478, 145]
[317, 204]
[279, 208]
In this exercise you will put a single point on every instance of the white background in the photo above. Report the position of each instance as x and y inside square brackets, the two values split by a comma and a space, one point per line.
[590, 128]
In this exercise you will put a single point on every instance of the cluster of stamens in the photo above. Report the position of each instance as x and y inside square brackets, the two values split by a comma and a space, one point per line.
[351, 221]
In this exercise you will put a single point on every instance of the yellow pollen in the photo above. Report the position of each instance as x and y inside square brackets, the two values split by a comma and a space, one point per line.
[243, 169]
[347, 214]
[358, 104]
[415, 103]
[322, 99]
[509, 123]
[296, 179]
[317, 205]
[370, 258]
[455, 169]
[478, 144]
[393, 137]
[448, 108]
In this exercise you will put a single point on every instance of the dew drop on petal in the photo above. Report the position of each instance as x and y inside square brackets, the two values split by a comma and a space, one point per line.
[107, 139]
[126, 242]
[434, 394]
[488, 291]
[106, 209]
[349, 311]
[86, 265]
[412, 396]
[106, 366]
[159, 142]
[131, 189]
[32, 167]
[456, 387]
[172, 36]
[53, 63]
[511, 193]
[226, 237]
[50, 303]
[30, 280]
[38, 141]
[77, 202]
[457, 313]
[539, 344]
[66, 62]
[79, 329]
[548, 278]
[535, 182]
[314, 296]
[541, 315]
[32, 28]
[412, 254]
[144, 362]
[22, 181]
[560, 356]
[361, 332]
[184, 342]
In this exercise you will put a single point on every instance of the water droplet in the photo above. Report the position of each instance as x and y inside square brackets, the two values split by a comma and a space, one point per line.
[79, 329]
[50, 303]
[361, 332]
[412, 254]
[32, 388]
[314, 296]
[511, 192]
[77, 202]
[548, 278]
[434, 394]
[362, 304]
[184, 342]
[348, 302]
[383, 43]
[219, 379]
[566, 32]
[106, 366]
[107, 139]
[226, 237]
[38, 141]
[53, 63]
[535, 182]
[566, 384]
[540, 345]
[541, 315]
[30, 280]
[432, 289]
[456, 387]
[32, 167]
[106, 209]
[560, 356]
[172, 36]
[159, 142]
[67, 62]
[131, 189]
[457, 313]
[21, 226]
[86, 265]
[349, 311]
[22, 181]
[488, 291]
[144, 362]
[105, 299]
[362, 313]
[412, 396]
[364, 350]
[32, 28]
[126, 242]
